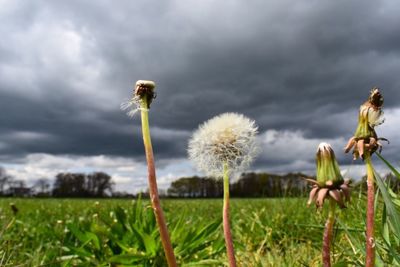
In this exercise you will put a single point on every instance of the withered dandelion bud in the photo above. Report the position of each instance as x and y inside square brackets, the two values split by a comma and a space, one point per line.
[145, 88]
[144, 91]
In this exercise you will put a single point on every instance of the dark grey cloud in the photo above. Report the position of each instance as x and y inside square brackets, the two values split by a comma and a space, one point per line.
[292, 66]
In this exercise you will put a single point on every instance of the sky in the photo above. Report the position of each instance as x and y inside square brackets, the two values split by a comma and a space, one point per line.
[300, 69]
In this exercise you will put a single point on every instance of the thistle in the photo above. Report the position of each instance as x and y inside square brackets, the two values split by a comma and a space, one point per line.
[329, 185]
[141, 100]
[221, 147]
[365, 142]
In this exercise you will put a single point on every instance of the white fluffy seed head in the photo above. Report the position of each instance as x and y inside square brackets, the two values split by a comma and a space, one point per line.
[229, 138]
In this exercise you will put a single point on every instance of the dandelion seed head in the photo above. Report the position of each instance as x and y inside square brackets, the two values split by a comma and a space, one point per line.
[229, 138]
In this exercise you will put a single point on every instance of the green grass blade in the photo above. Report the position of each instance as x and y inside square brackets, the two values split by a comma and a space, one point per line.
[392, 212]
[395, 172]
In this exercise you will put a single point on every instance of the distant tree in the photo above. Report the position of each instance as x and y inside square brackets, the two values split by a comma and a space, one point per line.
[18, 188]
[42, 187]
[195, 187]
[97, 184]
[69, 185]
[269, 185]
[5, 180]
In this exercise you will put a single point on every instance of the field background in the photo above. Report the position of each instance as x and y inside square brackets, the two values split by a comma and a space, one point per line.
[267, 232]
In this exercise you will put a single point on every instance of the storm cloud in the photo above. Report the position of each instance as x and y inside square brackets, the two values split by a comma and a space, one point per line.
[299, 68]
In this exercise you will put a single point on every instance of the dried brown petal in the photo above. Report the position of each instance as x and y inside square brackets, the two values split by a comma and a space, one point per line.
[360, 146]
[335, 194]
[313, 194]
[384, 139]
[311, 181]
[372, 141]
[321, 196]
[346, 191]
[350, 144]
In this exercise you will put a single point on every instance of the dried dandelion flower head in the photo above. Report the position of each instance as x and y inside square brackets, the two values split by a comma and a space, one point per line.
[144, 90]
[228, 139]
[330, 182]
[365, 137]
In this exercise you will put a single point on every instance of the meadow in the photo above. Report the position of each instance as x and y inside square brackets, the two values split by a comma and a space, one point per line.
[116, 232]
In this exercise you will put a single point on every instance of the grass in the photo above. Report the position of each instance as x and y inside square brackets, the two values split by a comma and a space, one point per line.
[266, 232]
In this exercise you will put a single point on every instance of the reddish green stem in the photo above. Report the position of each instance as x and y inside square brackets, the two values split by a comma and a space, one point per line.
[153, 190]
[328, 233]
[370, 240]
[225, 218]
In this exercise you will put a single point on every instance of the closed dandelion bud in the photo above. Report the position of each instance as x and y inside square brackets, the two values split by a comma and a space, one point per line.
[327, 167]
[330, 182]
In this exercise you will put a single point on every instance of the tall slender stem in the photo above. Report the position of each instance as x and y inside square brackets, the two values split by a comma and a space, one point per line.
[153, 190]
[225, 218]
[328, 233]
[370, 242]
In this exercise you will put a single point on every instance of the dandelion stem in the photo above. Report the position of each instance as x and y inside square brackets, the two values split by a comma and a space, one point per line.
[225, 216]
[155, 200]
[370, 242]
[328, 233]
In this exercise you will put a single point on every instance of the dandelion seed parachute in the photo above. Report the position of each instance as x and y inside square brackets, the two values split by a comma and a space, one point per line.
[131, 107]
[143, 88]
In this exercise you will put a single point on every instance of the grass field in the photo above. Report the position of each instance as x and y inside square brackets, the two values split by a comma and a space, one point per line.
[80, 232]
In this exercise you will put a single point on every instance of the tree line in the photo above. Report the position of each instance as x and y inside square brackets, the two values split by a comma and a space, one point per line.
[259, 185]
[248, 185]
[97, 184]
[100, 184]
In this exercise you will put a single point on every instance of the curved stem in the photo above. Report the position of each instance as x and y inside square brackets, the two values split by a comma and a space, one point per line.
[370, 242]
[225, 218]
[328, 233]
[153, 190]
